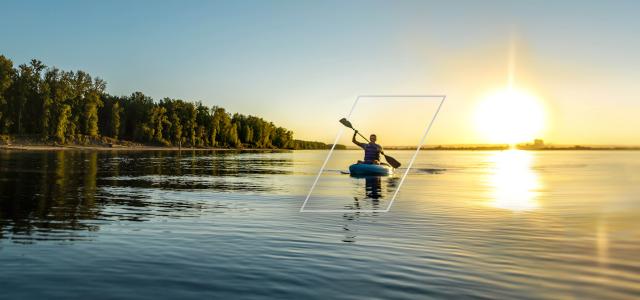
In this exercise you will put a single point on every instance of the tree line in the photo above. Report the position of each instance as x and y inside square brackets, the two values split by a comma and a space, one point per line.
[72, 106]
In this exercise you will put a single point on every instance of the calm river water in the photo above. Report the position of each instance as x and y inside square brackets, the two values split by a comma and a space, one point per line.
[204, 225]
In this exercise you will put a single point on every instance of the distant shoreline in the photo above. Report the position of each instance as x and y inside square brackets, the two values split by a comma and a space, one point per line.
[122, 148]
[524, 148]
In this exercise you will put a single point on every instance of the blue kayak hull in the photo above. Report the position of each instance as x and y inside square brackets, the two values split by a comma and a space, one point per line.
[370, 170]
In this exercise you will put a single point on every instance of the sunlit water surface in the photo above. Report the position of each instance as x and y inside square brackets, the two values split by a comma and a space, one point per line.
[510, 224]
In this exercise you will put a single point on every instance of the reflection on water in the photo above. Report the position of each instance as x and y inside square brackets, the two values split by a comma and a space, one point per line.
[373, 192]
[514, 184]
[373, 187]
[376, 189]
[53, 195]
[48, 194]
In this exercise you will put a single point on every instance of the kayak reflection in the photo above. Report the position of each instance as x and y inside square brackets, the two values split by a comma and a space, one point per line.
[373, 187]
[374, 193]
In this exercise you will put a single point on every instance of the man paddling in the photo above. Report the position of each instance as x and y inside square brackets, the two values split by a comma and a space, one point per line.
[371, 150]
[372, 155]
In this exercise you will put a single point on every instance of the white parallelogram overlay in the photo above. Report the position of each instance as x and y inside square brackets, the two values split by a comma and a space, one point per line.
[441, 98]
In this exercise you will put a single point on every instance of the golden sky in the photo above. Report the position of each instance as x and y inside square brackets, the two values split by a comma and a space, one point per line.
[575, 104]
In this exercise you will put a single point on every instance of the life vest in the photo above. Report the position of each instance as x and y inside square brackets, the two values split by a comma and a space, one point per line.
[371, 152]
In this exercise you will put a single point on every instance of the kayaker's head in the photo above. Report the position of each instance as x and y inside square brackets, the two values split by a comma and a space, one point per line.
[373, 138]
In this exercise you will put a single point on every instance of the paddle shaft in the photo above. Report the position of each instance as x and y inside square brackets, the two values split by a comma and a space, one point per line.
[360, 134]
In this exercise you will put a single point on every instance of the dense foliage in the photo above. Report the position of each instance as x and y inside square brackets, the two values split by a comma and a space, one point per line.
[67, 106]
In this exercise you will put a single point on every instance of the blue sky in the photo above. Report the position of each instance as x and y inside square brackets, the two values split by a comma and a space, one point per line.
[301, 63]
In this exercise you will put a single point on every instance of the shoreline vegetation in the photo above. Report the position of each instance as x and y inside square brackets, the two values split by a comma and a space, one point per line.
[31, 142]
[44, 106]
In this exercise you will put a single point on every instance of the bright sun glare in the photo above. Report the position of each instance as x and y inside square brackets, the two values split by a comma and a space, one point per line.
[510, 116]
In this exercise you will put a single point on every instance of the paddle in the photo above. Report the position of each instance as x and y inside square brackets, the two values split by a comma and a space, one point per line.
[392, 161]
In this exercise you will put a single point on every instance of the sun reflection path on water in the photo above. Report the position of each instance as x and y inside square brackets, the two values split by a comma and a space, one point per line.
[514, 184]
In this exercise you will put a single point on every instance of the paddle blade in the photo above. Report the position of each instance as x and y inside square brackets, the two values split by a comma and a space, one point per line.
[346, 122]
[392, 161]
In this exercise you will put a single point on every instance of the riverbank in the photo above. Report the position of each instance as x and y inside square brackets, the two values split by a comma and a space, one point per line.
[120, 148]
[102, 143]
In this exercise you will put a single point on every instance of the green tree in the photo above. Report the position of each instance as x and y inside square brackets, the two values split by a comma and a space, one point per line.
[20, 92]
[114, 118]
[189, 121]
[232, 137]
[176, 128]
[62, 123]
[222, 124]
[248, 134]
[92, 103]
[6, 79]
[57, 94]
[135, 115]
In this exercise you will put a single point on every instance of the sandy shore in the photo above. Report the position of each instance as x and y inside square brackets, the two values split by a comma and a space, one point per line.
[114, 148]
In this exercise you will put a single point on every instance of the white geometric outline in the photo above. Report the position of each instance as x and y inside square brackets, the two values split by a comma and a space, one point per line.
[341, 131]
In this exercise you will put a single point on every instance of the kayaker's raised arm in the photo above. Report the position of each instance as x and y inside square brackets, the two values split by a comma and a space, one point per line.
[361, 145]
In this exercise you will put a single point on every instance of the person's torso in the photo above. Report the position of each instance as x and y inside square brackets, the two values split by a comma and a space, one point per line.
[371, 152]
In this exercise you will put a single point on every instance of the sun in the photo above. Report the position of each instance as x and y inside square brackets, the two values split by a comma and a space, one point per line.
[510, 116]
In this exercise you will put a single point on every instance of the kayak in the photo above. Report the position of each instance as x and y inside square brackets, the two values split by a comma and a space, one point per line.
[370, 170]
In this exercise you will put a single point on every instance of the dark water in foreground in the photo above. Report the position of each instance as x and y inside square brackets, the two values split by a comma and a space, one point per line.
[208, 225]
